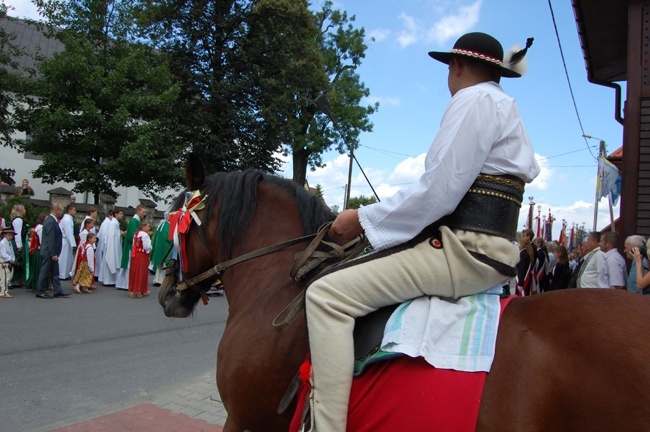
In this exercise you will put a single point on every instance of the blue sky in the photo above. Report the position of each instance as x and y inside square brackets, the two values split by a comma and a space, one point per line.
[412, 91]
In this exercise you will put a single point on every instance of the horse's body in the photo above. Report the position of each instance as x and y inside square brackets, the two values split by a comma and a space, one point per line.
[571, 360]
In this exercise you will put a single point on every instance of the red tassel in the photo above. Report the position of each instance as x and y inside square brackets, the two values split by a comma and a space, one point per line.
[305, 371]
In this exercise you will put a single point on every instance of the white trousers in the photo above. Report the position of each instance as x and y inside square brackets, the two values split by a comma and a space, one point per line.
[440, 266]
[5, 278]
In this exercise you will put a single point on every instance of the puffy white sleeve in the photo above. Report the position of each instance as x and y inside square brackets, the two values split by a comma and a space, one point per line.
[146, 241]
[17, 225]
[90, 257]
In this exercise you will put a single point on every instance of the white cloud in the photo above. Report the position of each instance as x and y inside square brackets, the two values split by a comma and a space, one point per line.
[408, 171]
[22, 9]
[411, 33]
[580, 213]
[383, 101]
[449, 27]
[542, 181]
[455, 25]
[379, 35]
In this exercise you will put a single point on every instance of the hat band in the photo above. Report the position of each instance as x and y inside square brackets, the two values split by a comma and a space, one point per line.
[477, 55]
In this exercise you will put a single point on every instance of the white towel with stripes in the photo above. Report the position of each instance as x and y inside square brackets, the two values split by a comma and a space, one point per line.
[450, 334]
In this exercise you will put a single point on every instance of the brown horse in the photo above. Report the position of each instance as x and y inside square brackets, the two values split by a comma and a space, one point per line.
[574, 360]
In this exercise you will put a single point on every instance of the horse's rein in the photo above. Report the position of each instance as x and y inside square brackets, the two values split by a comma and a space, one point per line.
[217, 269]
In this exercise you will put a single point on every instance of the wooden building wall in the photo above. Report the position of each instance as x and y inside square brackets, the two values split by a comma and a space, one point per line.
[635, 199]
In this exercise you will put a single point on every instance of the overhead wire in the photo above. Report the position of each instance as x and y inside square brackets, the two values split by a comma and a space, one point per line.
[566, 72]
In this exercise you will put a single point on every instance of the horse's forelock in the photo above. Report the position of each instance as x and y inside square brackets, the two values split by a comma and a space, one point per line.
[238, 191]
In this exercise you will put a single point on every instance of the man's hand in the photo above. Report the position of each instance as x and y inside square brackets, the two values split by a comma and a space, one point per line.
[345, 227]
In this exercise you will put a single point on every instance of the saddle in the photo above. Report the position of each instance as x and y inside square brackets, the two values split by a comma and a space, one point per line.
[368, 334]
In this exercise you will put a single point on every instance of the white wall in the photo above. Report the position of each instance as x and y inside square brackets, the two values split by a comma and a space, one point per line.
[10, 158]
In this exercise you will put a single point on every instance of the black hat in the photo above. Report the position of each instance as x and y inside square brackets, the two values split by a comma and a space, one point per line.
[8, 231]
[483, 47]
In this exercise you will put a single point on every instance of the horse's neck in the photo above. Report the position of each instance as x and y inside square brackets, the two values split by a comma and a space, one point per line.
[266, 278]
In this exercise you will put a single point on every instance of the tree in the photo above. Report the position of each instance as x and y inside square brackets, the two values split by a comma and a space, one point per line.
[101, 112]
[343, 48]
[318, 192]
[219, 109]
[356, 202]
[250, 73]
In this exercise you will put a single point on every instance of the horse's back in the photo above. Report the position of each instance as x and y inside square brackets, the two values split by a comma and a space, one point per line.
[570, 360]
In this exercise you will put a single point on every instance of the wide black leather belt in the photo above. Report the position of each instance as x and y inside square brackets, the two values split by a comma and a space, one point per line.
[490, 206]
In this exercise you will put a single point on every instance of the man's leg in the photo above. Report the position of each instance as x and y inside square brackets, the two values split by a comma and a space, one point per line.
[56, 281]
[335, 300]
[44, 275]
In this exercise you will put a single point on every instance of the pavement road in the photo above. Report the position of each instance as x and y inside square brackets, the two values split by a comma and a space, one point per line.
[68, 359]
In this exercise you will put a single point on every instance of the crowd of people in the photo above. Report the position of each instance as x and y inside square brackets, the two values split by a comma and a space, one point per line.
[595, 263]
[40, 257]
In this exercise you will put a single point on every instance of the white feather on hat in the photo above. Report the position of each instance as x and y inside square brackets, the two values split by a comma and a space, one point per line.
[515, 58]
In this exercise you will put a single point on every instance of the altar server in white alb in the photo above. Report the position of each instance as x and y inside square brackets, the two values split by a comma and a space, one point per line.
[450, 234]
[67, 231]
[100, 246]
[112, 253]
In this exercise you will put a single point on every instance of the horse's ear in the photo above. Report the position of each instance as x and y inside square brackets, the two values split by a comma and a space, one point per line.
[194, 172]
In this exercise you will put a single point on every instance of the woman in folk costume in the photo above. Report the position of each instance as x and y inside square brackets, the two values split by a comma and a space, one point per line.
[20, 244]
[7, 259]
[123, 275]
[35, 252]
[88, 225]
[85, 274]
[525, 273]
[139, 269]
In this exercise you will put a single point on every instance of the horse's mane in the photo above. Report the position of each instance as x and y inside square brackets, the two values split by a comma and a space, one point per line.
[236, 194]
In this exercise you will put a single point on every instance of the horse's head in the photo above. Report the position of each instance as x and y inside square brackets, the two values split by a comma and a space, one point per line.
[226, 215]
[176, 302]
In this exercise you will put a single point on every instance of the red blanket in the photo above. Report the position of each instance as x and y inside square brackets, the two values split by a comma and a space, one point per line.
[411, 395]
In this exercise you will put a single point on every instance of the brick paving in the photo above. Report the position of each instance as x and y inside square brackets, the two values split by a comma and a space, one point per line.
[195, 408]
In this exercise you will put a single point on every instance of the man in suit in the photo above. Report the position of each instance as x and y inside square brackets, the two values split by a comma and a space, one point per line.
[51, 244]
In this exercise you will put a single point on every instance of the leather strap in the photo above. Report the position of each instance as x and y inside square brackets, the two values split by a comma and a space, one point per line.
[217, 269]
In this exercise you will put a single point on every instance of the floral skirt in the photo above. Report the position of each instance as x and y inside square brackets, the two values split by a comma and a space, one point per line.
[83, 275]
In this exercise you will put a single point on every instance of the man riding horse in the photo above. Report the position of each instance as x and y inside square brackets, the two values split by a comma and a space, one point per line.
[450, 234]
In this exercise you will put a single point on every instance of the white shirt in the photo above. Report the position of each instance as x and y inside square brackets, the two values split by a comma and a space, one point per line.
[39, 232]
[90, 257]
[6, 251]
[613, 273]
[146, 241]
[480, 132]
[593, 264]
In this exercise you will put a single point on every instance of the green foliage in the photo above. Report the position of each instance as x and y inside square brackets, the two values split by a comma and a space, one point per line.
[343, 48]
[236, 84]
[100, 112]
[319, 191]
[356, 202]
[219, 111]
